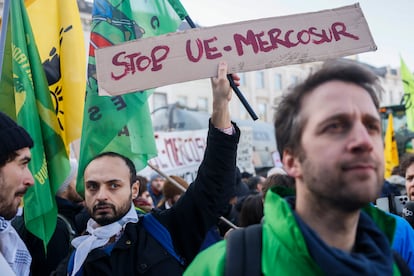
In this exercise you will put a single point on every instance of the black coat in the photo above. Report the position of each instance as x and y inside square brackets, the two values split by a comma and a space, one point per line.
[59, 244]
[137, 253]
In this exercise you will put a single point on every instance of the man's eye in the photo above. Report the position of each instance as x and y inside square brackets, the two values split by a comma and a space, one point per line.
[114, 186]
[335, 127]
[92, 187]
[374, 127]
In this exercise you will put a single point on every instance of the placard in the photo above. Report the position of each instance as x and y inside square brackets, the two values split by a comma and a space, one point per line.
[246, 46]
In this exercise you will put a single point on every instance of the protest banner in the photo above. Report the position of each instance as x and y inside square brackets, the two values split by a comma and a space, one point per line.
[181, 152]
[246, 46]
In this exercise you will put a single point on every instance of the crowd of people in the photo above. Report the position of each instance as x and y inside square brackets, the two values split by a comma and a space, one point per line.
[317, 215]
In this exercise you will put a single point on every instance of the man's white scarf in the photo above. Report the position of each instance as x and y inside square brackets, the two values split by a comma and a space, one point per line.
[99, 236]
[13, 249]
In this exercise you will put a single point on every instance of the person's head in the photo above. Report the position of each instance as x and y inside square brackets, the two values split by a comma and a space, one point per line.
[245, 176]
[157, 183]
[329, 133]
[255, 183]
[278, 180]
[142, 184]
[251, 211]
[275, 170]
[171, 192]
[407, 170]
[240, 189]
[15, 176]
[110, 186]
[396, 170]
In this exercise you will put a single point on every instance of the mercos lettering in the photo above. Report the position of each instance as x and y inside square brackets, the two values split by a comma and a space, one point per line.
[275, 38]
[253, 41]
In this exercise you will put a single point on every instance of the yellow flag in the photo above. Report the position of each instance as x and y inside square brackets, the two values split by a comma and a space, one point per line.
[390, 149]
[59, 37]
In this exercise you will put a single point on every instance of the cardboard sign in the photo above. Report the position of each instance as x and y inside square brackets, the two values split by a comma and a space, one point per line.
[246, 46]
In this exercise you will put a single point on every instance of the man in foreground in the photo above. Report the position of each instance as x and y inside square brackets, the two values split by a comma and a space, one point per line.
[329, 132]
[118, 242]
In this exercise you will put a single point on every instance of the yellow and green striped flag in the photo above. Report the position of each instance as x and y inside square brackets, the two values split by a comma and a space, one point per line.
[25, 96]
[60, 41]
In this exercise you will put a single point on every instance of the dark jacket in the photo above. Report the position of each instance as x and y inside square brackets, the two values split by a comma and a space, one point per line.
[59, 244]
[137, 253]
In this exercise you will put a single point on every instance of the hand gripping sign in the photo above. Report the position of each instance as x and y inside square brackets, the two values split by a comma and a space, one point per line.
[246, 46]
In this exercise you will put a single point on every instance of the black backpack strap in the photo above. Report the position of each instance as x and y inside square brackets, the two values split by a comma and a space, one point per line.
[72, 233]
[244, 251]
[402, 265]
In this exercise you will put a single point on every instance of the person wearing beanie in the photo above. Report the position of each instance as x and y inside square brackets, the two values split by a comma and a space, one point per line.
[171, 192]
[15, 180]
[70, 205]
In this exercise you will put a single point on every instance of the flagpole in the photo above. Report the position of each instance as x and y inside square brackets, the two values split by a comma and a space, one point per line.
[182, 13]
[3, 34]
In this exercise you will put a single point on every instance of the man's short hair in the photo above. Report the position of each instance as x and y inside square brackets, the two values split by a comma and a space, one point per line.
[288, 123]
[128, 162]
[406, 161]
[12, 138]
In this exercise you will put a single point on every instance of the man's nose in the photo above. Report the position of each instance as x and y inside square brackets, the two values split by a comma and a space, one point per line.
[102, 194]
[28, 178]
[361, 140]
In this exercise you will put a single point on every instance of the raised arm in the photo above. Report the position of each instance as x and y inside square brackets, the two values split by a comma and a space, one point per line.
[222, 93]
[207, 197]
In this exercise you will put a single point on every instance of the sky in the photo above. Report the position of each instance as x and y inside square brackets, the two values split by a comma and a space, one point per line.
[390, 22]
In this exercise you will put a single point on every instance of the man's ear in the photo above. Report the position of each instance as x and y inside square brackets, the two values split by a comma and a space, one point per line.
[291, 163]
[135, 189]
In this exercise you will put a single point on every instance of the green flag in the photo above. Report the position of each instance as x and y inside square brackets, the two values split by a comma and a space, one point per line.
[24, 86]
[178, 8]
[408, 84]
[122, 123]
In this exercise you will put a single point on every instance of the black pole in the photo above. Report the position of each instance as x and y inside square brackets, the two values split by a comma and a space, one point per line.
[232, 84]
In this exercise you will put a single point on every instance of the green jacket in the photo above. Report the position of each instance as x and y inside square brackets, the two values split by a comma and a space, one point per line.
[284, 251]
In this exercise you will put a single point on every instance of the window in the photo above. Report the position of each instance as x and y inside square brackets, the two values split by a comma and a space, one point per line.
[182, 101]
[159, 100]
[278, 81]
[260, 80]
[243, 111]
[294, 80]
[262, 111]
[202, 104]
[242, 79]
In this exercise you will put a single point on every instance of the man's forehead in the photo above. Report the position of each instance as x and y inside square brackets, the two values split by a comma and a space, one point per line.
[337, 97]
[107, 163]
[108, 159]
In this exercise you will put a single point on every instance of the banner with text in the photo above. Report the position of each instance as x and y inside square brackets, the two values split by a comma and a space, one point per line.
[181, 152]
[246, 46]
